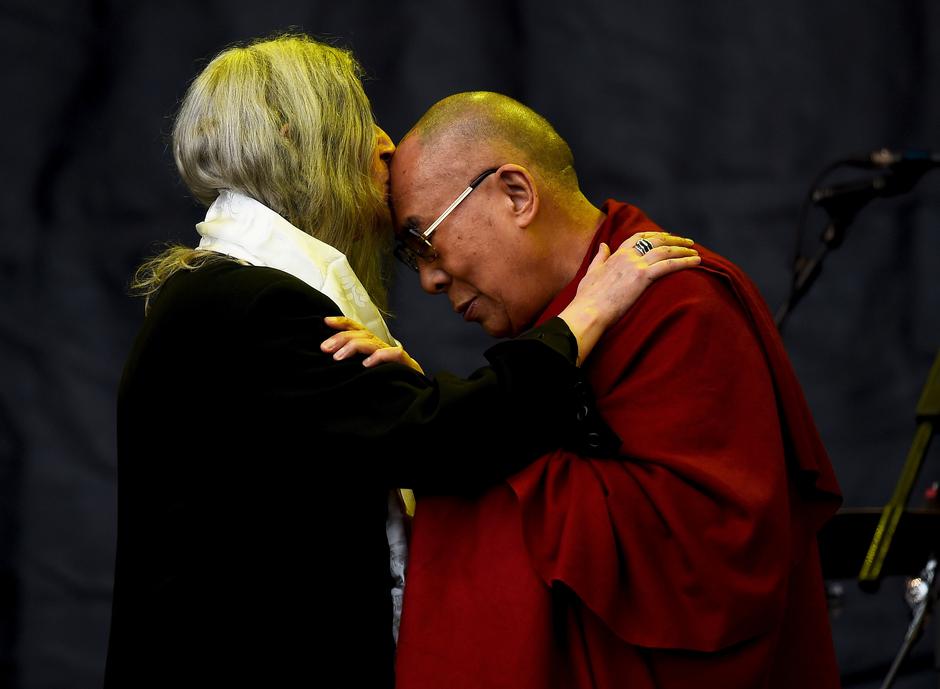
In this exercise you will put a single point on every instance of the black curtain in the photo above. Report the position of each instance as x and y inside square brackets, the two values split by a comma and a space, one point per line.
[712, 117]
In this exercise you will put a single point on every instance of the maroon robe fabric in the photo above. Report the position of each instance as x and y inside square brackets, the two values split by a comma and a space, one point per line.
[688, 561]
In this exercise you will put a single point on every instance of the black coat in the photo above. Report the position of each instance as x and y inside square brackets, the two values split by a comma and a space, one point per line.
[253, 473]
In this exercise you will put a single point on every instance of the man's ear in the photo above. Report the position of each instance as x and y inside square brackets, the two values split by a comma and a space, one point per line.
[521, 193]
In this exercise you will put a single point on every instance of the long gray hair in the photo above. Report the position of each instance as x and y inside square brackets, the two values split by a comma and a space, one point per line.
[286, 122]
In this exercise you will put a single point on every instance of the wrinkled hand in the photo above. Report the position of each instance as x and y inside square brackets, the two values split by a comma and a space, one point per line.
[354, 338]
[613, 283]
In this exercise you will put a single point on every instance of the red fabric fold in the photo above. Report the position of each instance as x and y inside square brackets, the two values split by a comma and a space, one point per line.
[697, 540]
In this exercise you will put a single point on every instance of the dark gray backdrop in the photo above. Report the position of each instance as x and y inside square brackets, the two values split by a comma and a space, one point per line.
[713, 117]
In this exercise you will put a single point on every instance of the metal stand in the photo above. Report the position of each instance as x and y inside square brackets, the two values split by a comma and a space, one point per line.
[920, 595]
[928, 420]
[842, 202]
[808, 269]
[922, 591]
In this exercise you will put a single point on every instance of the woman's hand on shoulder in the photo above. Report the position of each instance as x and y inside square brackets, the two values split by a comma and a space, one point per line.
[614, 281]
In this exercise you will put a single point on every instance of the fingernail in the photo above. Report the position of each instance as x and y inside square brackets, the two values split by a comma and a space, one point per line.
[328, 344]
[339, 355]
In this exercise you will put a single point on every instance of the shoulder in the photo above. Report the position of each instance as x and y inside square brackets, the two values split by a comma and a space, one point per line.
[223, 312]
[700, 302]
[230, 288]
[695, 292]
[689, 327]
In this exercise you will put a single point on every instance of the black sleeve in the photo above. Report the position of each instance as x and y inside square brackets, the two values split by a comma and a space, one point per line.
[442, 435]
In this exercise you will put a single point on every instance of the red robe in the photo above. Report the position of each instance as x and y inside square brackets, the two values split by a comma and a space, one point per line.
[689, 561]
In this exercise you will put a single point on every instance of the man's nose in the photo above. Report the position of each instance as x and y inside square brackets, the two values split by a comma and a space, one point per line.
[434, 280]
[384, 144]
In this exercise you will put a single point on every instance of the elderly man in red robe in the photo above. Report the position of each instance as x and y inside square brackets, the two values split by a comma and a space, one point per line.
[689, 558]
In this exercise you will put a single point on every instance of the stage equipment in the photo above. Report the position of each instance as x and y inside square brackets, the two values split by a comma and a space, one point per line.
[904, 540]
[898, 172]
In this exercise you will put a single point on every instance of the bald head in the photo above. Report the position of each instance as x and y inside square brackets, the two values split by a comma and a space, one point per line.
[481, 123]
[502, 252]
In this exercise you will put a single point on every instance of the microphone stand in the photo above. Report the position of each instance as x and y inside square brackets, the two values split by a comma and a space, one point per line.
[842, 203]
[920, 597]
[808, 269]
[921, 594]
[928, 421]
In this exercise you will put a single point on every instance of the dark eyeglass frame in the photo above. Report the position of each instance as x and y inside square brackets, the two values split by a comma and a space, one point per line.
[413, 244]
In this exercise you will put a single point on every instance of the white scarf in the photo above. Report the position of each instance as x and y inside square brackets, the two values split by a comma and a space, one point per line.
[240, 226]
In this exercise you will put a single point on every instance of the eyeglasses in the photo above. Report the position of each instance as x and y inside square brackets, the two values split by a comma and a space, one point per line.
[413, 244]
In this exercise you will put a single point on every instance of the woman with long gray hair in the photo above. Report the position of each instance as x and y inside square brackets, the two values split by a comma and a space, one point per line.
[260, 537]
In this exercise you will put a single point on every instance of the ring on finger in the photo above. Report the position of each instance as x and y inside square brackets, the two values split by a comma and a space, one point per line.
[642, 246]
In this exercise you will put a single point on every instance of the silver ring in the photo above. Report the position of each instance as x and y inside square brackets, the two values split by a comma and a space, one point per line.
[643, 246]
